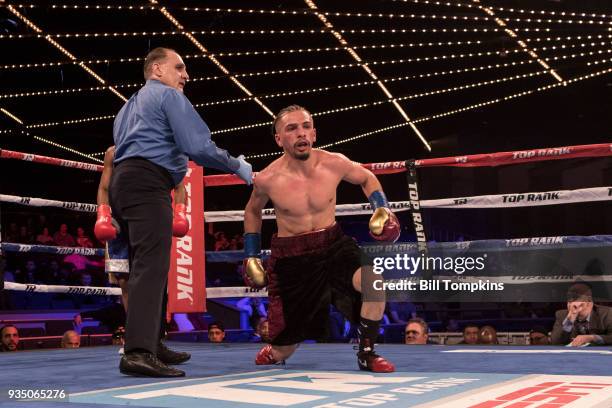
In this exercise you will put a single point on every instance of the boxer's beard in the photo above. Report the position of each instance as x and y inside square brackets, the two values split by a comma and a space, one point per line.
[302, 156]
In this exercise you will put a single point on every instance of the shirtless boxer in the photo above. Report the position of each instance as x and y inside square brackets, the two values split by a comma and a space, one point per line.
[313, 263]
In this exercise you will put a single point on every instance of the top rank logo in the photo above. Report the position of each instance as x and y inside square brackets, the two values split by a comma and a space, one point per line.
[532, 197]
[528, 154]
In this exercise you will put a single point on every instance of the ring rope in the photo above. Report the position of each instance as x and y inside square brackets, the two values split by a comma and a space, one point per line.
[238, 255]
[221, 292]
[474, 160]
[533, 199]
[211, 256]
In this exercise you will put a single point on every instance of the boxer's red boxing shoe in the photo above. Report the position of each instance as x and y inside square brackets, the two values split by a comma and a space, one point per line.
[265, 357]
[370, 361]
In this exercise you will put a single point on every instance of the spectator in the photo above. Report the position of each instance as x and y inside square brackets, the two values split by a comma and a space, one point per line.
[25, 237]
[71, 339]
[66, 274]
[83, 240]
[538, 336]
[30, 273]
[417, 332]
[86, 279]
[216, 332]
[80, 262]
[470, 334]
[44, 238]
[119, 336]
[452, 326]
[401, 312]
[487, 335]
[583, 322]
[63, 238]
[52, 274]
[221, 242]
[12, 234]
[236, 243]
[263, 330]
[10, 338]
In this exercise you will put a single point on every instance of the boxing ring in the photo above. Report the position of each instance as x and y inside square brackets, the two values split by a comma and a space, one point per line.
[326, 375]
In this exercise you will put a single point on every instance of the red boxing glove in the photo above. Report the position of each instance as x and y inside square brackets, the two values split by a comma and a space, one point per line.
[384, 225]
[104, 228]
[180, 223]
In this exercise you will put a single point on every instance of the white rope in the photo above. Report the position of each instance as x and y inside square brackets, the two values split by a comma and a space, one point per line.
[211, 293]
[41, 202]
[484, 201]
[523, 199]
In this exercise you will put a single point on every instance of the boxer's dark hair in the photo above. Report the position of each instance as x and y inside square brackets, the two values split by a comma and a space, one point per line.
[155, 55]
[284, 111]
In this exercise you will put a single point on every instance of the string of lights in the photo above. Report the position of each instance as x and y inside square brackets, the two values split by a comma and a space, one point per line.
[12, 116]
[211, 58]
[293, 51]
[324, 13]
[511, 10]
[64, 51]
[368, 69]
[69, 149]
[116, 34]
[138, 84]
[530, 51]
[360, 106]
[210, 78]
[366, 83]
[424, 75]
[515, 95]
[451, 112]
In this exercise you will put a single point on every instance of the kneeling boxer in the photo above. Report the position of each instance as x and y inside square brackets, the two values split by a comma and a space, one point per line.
[313, 263]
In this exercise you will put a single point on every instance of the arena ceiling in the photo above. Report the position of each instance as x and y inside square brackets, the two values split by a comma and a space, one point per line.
[385, 79]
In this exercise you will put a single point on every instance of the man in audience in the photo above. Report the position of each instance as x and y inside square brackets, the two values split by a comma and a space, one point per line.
[470, 334]
[83, 240]
[216, 332]
[10, 338]
[583, 323]
[487, 335]
[417, 332]
[538, 336]
[63, 238]
[71, 339]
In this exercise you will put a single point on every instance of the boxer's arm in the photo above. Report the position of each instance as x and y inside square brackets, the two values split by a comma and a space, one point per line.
[109, 156]
[383, 224]
[180, 194]
[254, 272]
[252, 211]
[354, 173]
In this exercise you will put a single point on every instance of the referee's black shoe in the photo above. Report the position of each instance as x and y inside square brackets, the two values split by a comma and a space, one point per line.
[144, 364]
[168, 356]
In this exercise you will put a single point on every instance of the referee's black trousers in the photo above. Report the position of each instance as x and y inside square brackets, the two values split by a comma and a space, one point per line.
[139, 196]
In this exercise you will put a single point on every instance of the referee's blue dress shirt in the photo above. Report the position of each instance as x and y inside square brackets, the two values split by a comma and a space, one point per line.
[158, 123]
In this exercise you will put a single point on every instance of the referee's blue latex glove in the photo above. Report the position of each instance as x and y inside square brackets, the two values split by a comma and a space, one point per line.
[245, 171]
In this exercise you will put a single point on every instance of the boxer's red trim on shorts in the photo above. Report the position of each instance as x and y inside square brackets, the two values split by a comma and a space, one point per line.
[283, 247]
